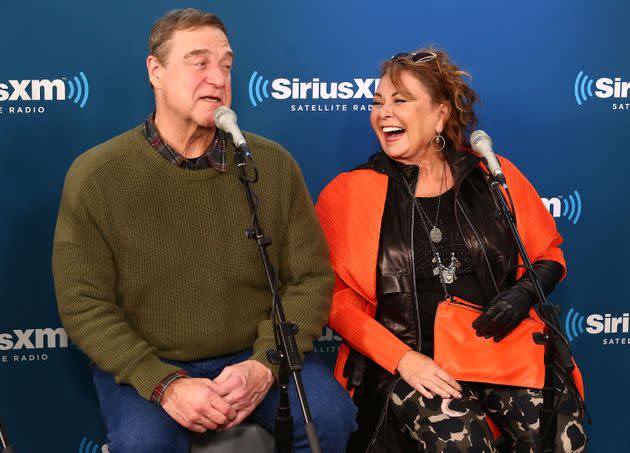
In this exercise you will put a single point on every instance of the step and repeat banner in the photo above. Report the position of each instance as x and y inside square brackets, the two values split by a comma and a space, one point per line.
[553, 78]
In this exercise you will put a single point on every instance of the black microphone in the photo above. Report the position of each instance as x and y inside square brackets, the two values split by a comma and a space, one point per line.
[225, 119]
[482, 144]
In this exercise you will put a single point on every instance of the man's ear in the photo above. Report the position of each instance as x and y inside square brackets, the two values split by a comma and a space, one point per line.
[154, 69]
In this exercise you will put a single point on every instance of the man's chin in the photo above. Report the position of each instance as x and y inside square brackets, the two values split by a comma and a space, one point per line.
[206, 121]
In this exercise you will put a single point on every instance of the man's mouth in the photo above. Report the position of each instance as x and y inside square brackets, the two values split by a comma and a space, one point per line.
[211, 99]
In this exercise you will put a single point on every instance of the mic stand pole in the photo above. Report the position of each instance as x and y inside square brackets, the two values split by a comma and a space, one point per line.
[4, 441]
[286, 354]
[557, 350]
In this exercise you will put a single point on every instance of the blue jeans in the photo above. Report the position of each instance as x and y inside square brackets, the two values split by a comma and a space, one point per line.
[136, 425]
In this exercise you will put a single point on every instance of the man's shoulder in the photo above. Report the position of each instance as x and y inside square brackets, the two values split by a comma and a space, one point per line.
[88, 165]
[116, 148]
[258, 143]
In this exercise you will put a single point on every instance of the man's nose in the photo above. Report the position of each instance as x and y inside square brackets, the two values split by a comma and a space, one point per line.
[215, 75]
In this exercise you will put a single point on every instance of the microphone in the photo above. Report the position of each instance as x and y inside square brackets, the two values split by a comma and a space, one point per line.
[482, 145]
[225, 119]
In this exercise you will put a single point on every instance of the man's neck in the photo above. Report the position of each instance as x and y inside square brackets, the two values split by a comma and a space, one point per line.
[187, 139]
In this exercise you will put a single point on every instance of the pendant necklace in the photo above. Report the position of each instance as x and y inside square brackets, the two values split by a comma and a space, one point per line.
[435, 234]
[446, 274]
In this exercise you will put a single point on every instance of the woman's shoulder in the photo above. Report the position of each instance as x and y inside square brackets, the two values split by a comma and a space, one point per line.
[351, 183]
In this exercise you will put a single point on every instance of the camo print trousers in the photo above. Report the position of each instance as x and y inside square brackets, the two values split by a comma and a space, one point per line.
[459, 425]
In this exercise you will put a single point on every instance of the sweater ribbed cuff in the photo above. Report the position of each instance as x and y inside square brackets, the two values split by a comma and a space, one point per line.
[261, 356]
[147, 374]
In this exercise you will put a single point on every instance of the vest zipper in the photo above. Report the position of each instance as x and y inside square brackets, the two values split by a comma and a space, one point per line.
[494, 282]
[418, 333]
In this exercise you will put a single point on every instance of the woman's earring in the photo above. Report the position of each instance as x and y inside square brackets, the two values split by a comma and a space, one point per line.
[438, 142]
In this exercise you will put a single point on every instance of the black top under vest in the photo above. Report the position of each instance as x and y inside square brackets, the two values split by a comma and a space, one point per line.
[429, 288]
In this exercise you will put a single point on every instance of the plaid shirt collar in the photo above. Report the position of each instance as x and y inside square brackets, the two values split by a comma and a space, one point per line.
[214, 157]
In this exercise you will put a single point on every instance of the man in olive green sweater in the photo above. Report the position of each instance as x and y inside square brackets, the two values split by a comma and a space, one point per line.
[156, 281]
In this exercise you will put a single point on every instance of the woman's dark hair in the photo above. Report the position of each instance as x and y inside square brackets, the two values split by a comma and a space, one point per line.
[444, 81]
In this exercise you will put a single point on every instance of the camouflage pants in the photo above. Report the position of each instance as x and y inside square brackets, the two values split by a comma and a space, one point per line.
[452, 425]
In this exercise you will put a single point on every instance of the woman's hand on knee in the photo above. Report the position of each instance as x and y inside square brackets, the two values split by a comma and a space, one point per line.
[427, 377]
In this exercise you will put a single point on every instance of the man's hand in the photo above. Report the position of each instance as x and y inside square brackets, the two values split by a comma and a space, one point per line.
[244, 386]
[196, 405]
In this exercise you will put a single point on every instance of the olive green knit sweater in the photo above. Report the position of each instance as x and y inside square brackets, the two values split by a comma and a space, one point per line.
[151, 261]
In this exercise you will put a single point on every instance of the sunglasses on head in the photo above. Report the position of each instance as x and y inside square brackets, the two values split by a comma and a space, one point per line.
[416, 57]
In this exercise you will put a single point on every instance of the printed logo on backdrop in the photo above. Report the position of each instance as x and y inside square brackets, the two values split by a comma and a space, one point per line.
[87, 446]
[327, 346]
[31, 345]
[568, 206]
[313, 95]
[615, 89]
[32, 97]
[611, 329]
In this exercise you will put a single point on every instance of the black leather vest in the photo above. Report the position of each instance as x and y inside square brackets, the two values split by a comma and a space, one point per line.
[479, 220]
[491, 246]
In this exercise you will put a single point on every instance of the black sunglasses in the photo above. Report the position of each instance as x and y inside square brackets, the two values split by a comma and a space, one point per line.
[416, 57]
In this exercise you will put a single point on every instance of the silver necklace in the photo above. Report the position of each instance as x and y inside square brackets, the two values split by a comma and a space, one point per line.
[447, 274]
[436, 234]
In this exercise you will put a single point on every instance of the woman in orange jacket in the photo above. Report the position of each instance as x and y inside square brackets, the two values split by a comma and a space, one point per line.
[412, 227]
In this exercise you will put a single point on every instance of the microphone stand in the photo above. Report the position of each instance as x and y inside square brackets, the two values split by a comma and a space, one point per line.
[4, 441]
[286, 354]
[557, 350]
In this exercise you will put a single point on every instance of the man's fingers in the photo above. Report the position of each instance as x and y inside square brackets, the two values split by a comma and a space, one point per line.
[198, 428]
[212, 416]
[242, 415]
[222, 406]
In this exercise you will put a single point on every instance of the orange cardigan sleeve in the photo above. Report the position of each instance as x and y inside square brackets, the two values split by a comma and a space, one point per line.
[533, 221]
[358, 328]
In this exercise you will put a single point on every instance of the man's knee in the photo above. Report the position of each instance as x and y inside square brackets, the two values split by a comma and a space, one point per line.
[333, 411]
[140, 433]
[336, 420]
[148, 440]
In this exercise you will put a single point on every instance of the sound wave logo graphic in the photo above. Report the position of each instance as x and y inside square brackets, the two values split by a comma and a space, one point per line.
[257, 88]
[569, 206]
[572, 206]
[582, 87]
[79, 89]
[87, 446]
[573, 324]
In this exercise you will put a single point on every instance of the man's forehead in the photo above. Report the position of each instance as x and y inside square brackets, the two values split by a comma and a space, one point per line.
[203, 38]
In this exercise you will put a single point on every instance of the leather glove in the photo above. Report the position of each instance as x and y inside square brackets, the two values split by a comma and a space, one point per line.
[508, 308]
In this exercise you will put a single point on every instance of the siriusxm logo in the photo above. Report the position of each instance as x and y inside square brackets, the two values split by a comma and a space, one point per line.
[576, 324]
[605, 88]
[87, 446]
[75, 89]
[314, 89]
[569, 206]
[34, 339]
[573, 324]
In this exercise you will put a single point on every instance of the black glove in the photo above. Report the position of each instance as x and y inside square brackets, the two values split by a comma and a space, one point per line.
[508, 308]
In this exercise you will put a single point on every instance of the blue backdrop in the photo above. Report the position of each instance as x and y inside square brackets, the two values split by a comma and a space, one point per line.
[553, 78]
